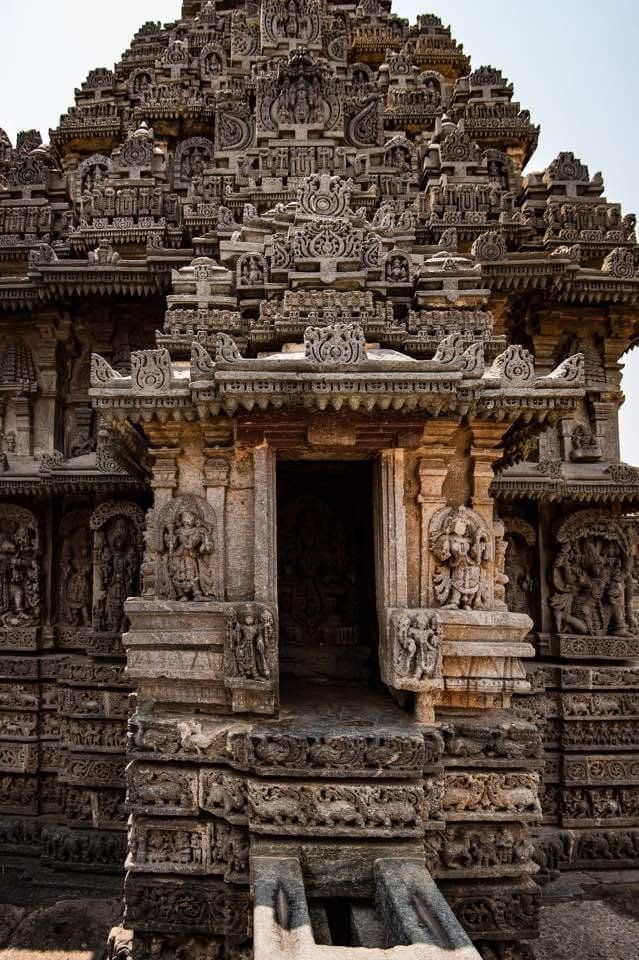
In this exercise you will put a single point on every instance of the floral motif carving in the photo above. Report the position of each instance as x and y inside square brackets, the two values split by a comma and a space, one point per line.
[341, 343]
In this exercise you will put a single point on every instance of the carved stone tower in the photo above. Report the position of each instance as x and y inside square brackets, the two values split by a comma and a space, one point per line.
[308, 410]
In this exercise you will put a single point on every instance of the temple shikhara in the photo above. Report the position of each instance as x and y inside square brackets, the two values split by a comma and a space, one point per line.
[319, 616]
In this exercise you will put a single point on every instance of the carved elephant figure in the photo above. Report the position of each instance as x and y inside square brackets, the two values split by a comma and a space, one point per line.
[332, 810]
[280, 809]
[389, 813]
[462, 793]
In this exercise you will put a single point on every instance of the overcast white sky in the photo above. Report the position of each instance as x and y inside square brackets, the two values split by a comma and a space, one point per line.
[573, 65]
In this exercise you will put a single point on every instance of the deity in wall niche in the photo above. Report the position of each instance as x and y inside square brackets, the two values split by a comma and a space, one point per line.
[186, 554]
[520, 565]
[19, 579]
[460, 544]
[117, 564]
[77, 576]
[593, 579]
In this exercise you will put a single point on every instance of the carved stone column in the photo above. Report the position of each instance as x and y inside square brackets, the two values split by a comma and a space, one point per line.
[22, 406]
[216, 480]
[390, 523]
[265, 525]
[45, 406]
[433, 471]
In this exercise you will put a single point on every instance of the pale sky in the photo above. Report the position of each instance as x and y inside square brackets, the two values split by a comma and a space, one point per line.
[572, 64]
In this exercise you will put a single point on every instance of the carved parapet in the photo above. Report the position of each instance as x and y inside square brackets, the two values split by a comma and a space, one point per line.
[478, 663]
[377, 378]
[221, 654]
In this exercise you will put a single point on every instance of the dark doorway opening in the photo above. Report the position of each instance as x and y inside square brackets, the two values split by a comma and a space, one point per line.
[326, 572]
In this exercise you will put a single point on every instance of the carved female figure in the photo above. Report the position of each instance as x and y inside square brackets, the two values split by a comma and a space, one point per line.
[188, 544]
[460, 548]
[117, 562]
[78, 594]
[250, 638]
[419, 641]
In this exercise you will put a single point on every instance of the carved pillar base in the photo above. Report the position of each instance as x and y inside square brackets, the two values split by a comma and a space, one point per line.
[482, 657]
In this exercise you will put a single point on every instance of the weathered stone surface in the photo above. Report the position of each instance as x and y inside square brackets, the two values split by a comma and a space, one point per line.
[308, 442]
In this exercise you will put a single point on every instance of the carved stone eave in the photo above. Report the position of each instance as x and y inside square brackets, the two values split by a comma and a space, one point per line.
[568, 482]
[71, 482]
[19, 294]
[66, 278]
[453, 383]
[569, 282]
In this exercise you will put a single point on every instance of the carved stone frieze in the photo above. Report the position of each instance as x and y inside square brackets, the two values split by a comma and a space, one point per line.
[335, 810]
[486, 796]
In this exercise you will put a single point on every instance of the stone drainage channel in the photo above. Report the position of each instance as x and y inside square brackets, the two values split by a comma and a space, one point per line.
[412, 921]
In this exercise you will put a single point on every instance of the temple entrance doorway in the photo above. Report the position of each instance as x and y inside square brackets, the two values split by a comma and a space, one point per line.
[326, 572]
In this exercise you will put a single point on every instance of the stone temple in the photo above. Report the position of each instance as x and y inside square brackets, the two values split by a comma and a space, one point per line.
[318, 566]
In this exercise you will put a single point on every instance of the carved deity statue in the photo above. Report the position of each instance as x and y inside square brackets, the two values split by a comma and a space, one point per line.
[521, 537]
[187, 544]
[19, 570]
[250, 640]
[418, 652]
[117, 557]
[460, 544]
[78, 586]
[592, 576]
[186, 550]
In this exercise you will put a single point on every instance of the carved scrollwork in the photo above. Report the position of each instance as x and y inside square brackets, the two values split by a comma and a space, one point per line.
[151, 370]
[489, 247]
[515, 367]
[341, 343]
[324, 196]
